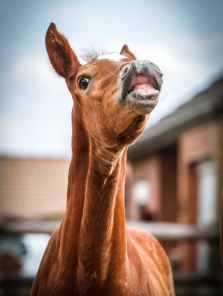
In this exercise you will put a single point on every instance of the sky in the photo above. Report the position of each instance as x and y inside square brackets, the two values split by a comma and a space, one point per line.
[184, 38]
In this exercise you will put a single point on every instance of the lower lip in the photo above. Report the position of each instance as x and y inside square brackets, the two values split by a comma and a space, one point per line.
[142, 95]
[142, 103]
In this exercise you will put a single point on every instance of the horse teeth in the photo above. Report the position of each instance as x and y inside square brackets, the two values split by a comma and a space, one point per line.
[146, 92]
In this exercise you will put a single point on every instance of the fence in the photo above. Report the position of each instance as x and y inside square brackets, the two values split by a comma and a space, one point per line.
[185, 283]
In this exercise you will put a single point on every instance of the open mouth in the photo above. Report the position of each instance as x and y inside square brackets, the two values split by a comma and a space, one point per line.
[142, 84]
[142, 93]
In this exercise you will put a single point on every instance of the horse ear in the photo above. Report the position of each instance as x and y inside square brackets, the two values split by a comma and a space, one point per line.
[127, 53]
[61, 55]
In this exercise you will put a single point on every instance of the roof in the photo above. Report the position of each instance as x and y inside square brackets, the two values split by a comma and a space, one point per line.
[206, 105]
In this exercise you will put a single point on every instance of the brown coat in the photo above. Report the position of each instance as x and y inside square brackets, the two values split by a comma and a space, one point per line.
[92, 252]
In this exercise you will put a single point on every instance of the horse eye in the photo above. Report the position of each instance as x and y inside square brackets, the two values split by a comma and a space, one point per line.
[83, 83]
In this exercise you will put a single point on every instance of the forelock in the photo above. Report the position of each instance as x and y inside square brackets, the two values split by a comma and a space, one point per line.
[93, 53]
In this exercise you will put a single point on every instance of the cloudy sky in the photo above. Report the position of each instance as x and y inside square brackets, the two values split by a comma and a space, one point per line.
[184, 38]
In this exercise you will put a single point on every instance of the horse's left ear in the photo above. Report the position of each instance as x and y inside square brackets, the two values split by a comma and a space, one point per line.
[61, 55]
[127, 53]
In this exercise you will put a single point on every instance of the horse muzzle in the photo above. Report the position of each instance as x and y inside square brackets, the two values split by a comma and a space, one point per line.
[140, 83]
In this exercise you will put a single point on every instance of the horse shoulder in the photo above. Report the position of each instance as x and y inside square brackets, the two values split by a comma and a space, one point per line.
[154, 261]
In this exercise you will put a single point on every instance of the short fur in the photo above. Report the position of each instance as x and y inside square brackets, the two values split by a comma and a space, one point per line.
[92, 252]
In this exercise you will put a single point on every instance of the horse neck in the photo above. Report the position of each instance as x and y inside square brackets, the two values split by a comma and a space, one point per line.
[95, 205]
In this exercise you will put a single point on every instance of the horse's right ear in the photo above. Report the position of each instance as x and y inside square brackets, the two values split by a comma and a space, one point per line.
[127, 53]
[61, 55]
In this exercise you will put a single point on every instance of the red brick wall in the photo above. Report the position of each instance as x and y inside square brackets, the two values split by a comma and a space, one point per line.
[168, 194]
[150, 169]
[194, 146]
[160, 171]
[172, 176]
[33, 187]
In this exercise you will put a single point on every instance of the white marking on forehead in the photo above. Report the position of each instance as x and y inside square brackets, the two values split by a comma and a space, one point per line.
[116, 57]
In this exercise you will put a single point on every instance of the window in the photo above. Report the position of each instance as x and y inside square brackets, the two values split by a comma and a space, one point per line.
[207, 208]
[141, 192]
[141, 197]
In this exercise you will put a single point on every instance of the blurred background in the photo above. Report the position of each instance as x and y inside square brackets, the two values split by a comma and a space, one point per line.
[175, 169]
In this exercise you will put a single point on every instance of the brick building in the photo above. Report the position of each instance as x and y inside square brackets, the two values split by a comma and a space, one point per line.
[33, 187]
[175, 171]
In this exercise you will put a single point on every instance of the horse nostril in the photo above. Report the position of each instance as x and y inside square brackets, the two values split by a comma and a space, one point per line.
[124, 72]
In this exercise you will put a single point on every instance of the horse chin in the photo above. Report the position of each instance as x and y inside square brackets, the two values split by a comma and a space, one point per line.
[143, 103]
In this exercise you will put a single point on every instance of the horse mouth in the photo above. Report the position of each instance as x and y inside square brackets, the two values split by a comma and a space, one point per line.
[141, 86]
[142, 94]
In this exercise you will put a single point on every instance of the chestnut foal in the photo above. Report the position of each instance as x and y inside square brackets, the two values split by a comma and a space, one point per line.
[92, 252]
